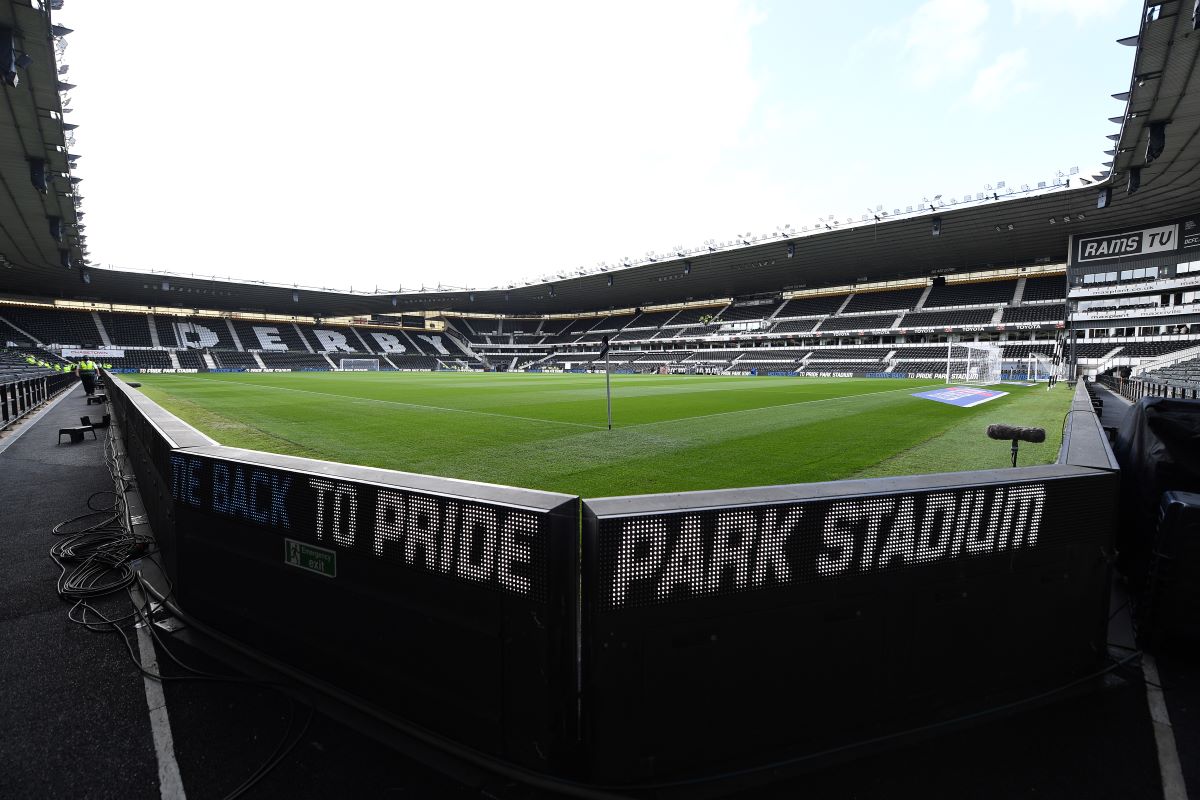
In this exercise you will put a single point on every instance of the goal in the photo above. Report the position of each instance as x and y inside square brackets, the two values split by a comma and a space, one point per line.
[358, 364]
[973, 362]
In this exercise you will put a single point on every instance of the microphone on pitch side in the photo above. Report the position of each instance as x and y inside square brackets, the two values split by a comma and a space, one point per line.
[1016, 433]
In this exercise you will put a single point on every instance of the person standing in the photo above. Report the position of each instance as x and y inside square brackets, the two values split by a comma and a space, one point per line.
[87, 374]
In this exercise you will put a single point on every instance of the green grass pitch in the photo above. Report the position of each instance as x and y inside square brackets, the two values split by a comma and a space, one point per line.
[670, 433]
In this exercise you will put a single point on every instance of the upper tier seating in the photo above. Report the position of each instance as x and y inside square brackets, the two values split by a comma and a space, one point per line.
[269, 336]
[1050, 287]
[863, 323]
[898, 299]
[50, 326]
[967, 316]
[651, 319]
[613, 324]
[739, 313]
[1052, 312]
[692, 315]
[811, 306]
[1153, 349]
[971, 294]
[1094, 349]
[844, 353]
[795, 326]
[1024, 349]
[126, 330]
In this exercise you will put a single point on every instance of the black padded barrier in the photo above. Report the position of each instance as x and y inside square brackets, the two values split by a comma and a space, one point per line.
[729, 628]
[447, 602]
[151, 434]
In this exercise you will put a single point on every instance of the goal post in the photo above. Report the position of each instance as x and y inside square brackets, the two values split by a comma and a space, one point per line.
[358, 364]
[973, 362]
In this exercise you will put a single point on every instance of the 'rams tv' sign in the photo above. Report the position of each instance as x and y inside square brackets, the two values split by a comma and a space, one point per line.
[1144, 241]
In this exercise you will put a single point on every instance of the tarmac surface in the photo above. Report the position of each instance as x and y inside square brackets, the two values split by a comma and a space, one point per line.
[75, 721]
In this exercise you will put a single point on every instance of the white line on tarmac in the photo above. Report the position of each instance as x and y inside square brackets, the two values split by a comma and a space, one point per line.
[1169, 767]
[170, 782]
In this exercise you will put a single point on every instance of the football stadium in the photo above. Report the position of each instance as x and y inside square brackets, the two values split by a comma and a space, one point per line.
[904, 503]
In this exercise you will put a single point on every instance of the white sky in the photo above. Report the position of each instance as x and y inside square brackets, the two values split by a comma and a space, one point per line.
[385, 144]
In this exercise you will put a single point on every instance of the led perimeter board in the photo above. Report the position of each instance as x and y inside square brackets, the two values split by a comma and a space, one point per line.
[733, 627]
[447, 602]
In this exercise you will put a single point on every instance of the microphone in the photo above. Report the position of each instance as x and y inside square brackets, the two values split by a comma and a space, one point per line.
[1015, 433]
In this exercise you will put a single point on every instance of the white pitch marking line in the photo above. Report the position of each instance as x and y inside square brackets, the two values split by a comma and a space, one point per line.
[430, 408]
[170, 782]
[1169, 767]
[781, 405]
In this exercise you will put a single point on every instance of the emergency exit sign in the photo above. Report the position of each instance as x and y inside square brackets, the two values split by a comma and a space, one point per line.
[313, 559]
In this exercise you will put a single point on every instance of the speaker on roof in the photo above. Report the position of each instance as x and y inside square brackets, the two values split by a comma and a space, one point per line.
[940, 280]
[55, 224]
[1135, 180]
[937, 226]
[1157, 141]
[1104, 199]
[37, 174]
[791, 251]
[64, 258]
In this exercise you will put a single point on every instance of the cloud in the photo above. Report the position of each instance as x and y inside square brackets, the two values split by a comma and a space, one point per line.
[1000, 80]
[942, 38]
[1081, 10]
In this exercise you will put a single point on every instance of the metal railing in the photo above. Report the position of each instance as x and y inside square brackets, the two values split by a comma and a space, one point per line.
[1135, 388]
[18, 398]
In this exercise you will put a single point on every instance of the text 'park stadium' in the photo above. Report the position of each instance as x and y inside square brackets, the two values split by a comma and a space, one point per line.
[904, 503]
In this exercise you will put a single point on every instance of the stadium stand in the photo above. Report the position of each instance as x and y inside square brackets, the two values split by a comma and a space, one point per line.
[1051, 287]
[51, 326]
[290, 360]
[971, 294]
[1153, 349]
[889, 299]
[126, 330]
[974, 316]
[811, 306]
[190, 359]
[142, 359]
[749, 312]
[690, 316]
[1024, 350]
[859, 323]
[1054, 312]
[795, 326]
[231, 359]
[651, 319]
[269, 336]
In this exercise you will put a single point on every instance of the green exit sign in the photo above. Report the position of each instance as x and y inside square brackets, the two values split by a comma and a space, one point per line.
[313, 559]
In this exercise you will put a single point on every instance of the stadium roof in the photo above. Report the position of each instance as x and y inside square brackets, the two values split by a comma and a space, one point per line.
[998, 233]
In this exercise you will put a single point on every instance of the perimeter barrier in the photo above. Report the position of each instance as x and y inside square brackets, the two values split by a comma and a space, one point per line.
[645, 640]
[19, 397]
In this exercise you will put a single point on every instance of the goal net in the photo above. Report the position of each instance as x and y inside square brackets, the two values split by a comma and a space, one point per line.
[973, 362]
[358, 364]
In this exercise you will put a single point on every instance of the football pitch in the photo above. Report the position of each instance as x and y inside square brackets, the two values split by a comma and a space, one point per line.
[670, 433]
